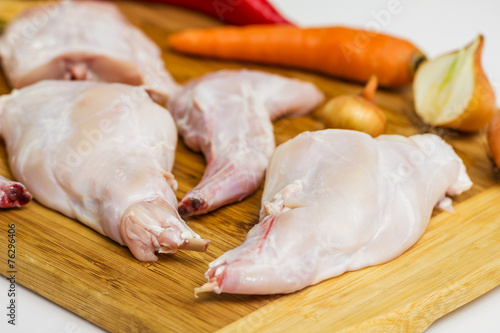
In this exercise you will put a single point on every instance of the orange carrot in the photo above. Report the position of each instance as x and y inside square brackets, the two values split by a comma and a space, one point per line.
[346, 53]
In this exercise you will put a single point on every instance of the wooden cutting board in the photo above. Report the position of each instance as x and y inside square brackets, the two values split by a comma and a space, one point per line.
[457, 259]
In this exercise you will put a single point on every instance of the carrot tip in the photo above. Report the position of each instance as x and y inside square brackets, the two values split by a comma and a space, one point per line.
[416, 60]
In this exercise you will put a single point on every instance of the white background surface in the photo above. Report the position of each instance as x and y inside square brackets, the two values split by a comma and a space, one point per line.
[436, 27]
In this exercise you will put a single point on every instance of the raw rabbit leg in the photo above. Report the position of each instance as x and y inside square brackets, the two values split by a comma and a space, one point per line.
[82, 40]
[13, 194]
[100, 153]
[337, 201]
[227, 115]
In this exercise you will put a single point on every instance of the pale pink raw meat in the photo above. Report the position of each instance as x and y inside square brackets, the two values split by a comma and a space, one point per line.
[101, 153]
[13, 194]
[227, 115]
[337, 201]
[82, 40]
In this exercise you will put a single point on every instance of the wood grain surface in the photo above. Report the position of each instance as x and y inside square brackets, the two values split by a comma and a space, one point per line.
[456, 260]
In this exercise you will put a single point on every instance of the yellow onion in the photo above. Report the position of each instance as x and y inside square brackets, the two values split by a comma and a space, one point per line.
[356, 112]
[494, 139]
[453, 91]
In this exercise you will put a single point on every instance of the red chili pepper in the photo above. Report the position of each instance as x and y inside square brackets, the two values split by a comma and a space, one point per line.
[239, 12]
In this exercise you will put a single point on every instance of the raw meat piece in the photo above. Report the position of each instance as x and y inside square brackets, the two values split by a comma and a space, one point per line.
[82, 40]
[337, 201]
[13, 194]
[100, 153]
[227, 115]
